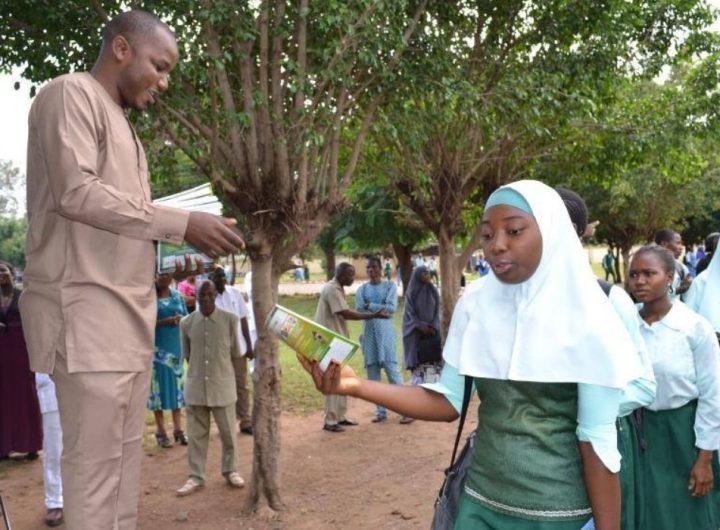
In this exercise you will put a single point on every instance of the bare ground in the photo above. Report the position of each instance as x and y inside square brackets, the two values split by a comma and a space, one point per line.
[373, 476]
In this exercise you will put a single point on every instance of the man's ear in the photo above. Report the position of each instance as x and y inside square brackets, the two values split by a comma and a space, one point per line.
[121, 49]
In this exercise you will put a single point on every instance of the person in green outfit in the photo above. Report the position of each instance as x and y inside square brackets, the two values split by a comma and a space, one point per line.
[549, 358]
[639, 393]
[682, 425]
[608, 265]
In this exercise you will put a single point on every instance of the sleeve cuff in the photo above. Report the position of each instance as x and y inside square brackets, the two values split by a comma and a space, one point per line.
[707, 441]
[169, 224]
[604, 442]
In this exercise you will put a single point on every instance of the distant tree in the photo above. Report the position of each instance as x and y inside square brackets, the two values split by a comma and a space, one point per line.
[12, 240]
[651, 163]
[376, 221]
[11, 185]
[503, 81]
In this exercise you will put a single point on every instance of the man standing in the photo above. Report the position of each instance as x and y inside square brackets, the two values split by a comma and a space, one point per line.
[210, 345]
[608, 265]
[230, 299]
[672, 241]
[89, 301]
[332, 312]
[378, 339]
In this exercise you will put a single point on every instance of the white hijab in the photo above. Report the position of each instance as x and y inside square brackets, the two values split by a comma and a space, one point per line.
[557, 326]
[704, 294]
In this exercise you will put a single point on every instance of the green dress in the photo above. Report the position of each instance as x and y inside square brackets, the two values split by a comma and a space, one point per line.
[665, 467]
[526, 472]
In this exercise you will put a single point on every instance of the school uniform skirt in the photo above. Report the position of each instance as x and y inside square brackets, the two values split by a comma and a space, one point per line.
[630, 480]
[666, 465]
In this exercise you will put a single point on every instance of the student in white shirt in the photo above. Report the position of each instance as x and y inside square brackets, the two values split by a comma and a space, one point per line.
[231, 300]
[682, 425]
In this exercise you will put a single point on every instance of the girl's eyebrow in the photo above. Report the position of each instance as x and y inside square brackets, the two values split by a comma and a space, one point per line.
[508, 218]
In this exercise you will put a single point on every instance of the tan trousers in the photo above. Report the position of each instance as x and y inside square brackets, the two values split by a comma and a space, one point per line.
[198, 426]
[335, 409]
[102, 416]
[242, 406]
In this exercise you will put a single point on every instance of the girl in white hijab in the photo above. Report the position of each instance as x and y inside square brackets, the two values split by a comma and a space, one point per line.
[549, 358]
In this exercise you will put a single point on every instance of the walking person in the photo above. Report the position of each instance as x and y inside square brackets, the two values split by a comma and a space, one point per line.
[230, 299]
[378, 337]
[52, 449]
[333, 312]
[422, 344]
[210, 345]
[168, 374]
[543, 346]
[89, 302]
[682, 426]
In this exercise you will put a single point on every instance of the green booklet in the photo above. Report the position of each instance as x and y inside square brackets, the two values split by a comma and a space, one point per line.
[169, 255]
[310, 339]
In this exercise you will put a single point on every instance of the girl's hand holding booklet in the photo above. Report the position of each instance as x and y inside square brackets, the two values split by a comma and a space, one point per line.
[310, 339]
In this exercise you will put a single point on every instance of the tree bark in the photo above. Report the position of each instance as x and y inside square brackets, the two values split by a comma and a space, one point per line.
[449, 277]
[329, 262]
[266, 394]
[403, 255]
[625, 251]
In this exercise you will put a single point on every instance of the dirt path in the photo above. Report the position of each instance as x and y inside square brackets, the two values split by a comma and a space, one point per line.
[374, 476]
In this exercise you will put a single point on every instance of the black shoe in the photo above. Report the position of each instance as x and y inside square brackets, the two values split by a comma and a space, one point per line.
[54, 517]
[247, 430]
[333, 428]
[163, 441]
[32, 455]
[180, 437]
[347, 423]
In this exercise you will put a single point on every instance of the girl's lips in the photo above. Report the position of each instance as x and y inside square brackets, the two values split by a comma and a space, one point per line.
[501, 267]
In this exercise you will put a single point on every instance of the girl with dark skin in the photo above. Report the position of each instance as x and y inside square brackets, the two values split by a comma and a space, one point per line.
[512, 242]
[684, 352]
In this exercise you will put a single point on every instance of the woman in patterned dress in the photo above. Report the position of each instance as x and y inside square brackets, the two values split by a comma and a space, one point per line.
[166, 387]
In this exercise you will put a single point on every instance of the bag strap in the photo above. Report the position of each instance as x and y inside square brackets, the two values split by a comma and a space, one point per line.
[463, 413]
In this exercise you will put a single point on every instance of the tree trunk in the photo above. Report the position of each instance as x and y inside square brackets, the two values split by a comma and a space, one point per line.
[449, 278]
[329, 262]
[266, 395]
[625, 250]
[403, 254]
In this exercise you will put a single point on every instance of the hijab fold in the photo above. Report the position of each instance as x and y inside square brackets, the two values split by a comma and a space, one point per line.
[555, 327]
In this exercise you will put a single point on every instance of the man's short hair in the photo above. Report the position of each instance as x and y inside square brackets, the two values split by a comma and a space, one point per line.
[132, 25]
[576, 207]
[342, 268]
[664, 236]
[376, 259]
[206, 284]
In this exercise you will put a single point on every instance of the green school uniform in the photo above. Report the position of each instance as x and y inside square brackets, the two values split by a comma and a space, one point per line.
[526, 472]
[665, 467]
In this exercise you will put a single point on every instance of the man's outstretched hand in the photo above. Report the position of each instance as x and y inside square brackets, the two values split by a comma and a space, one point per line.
[213, 235]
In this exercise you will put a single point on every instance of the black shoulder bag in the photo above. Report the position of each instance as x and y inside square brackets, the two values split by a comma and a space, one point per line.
[448, 500]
